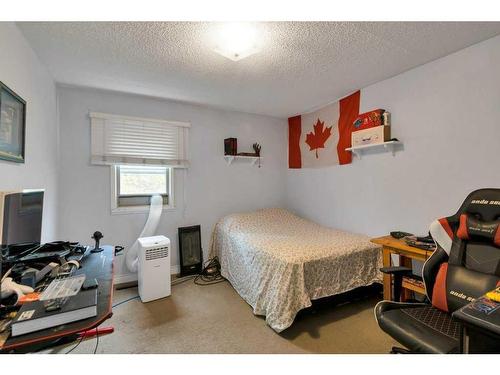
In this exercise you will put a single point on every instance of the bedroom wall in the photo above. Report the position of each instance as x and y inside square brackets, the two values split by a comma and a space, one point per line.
[21, 70]
[447, 114]
[212, 188]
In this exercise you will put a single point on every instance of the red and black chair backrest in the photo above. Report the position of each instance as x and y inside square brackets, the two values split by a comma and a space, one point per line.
[466, 263]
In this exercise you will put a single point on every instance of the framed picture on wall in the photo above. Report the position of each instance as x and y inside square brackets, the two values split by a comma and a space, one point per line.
[12, 125]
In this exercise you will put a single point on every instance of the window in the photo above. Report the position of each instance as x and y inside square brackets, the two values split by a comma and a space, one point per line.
[142, 153]
[134, 185]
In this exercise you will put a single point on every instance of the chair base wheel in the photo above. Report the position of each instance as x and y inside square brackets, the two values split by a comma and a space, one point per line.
[397, 350]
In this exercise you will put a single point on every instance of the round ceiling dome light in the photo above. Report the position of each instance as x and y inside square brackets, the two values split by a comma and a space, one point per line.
[235, 40]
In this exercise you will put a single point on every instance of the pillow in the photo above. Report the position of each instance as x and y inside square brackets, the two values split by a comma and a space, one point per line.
[470, 227]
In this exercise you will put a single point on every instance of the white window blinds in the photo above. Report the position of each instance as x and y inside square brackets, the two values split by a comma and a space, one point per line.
[132, 140]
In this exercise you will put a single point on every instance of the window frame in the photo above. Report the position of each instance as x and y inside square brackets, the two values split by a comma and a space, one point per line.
[117, 209]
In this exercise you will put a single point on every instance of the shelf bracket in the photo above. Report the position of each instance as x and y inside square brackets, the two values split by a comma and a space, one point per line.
[390, 147]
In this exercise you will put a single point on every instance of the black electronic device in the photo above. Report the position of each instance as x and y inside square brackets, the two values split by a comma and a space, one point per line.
[398, 234]
[90, 284]
[97, 237]
[19, 249]
[21, 217]
[78, 253]
[29, 277]
[118, 249]
[46, 252]
[190, 250]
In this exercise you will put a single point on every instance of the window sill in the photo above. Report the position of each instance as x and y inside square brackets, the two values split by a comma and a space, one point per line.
[137, 210]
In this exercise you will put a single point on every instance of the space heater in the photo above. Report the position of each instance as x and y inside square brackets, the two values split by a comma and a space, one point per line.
[154, 268]
[191, 256]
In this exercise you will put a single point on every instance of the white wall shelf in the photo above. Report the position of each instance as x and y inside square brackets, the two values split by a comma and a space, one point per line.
[390, 146]
[252, 159]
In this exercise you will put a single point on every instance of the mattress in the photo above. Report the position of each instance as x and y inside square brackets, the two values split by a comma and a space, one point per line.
[278, 262]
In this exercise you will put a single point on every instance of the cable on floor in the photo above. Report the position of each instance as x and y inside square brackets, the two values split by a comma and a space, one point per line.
[97, 340]
[183, 279]
[210, 274]
[127, 300]
[77, 344]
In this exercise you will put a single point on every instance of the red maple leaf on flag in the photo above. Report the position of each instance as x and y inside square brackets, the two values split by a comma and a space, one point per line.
[318, 138]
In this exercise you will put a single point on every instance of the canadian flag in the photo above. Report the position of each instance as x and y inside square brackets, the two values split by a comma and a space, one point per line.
[319, 138]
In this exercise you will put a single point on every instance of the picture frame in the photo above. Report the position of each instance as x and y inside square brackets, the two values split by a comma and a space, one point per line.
[12, 125]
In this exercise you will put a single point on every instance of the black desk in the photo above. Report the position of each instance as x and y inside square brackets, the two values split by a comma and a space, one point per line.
[96, 266]
[481, 326]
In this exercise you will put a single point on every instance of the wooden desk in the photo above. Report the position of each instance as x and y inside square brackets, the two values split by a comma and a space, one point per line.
[95, 266]
[405, 253]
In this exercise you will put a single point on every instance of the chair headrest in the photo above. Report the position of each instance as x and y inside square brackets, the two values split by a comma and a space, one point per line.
[471, 227]
[483, 204]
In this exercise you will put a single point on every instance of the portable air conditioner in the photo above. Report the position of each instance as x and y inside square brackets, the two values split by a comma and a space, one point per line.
[154, 268]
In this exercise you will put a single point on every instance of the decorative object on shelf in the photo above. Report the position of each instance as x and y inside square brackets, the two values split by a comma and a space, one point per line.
[230, 146]
[320, 138]
[257, 149]
[371, 119]
[12, 125]
[386, 118]
[389, 145]
[370, 136]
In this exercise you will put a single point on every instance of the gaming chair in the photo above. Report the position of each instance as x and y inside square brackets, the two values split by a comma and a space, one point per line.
[465, 265]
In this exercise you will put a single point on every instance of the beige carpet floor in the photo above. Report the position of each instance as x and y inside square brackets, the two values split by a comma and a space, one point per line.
[215, 319]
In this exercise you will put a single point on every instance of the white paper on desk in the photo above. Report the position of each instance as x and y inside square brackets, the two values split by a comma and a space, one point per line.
[62, 288]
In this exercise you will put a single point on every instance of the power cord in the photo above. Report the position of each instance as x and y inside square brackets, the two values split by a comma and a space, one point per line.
[127, 300]
[210, 273]
[97, 340]
[183, 279]
[77, 344]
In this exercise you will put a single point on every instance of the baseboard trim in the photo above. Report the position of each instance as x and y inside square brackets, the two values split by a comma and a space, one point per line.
[132, 277]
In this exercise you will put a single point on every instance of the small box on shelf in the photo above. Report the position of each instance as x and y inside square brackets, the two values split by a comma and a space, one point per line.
[230, 146]
[370, 136]
[370, 119]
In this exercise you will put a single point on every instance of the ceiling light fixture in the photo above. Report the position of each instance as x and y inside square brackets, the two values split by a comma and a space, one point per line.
[235, 40]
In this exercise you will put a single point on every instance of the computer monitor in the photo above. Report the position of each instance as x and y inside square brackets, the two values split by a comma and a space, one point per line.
[21, 217]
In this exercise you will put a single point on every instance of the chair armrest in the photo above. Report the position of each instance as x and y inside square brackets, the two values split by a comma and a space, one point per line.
[396, 270]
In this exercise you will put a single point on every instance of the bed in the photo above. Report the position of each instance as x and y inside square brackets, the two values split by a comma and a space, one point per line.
[278, 262]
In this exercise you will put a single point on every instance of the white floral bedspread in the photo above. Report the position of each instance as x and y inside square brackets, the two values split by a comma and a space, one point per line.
[279, 262]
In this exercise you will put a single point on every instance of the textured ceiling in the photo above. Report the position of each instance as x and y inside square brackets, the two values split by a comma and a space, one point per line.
[300, 66]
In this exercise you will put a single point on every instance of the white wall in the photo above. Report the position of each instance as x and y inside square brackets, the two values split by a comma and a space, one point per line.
[447, 113]
[213, 189]
[21, 70]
